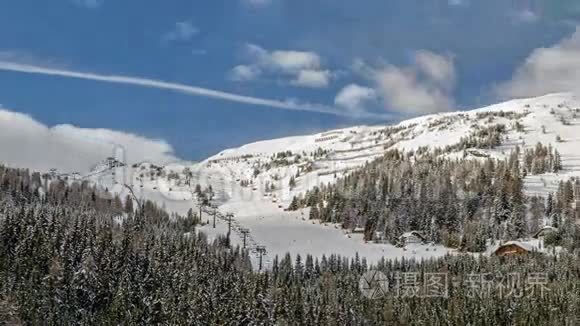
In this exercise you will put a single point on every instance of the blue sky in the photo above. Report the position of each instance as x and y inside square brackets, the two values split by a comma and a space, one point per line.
[369, 61]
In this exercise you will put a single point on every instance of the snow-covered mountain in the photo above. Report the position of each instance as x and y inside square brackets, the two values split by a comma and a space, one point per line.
[268, 167]
[257, 181]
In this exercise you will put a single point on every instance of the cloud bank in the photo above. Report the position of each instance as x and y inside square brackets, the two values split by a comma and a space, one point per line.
[24, 142]
[298, 68]
[313, 78]
[546, 70]
[354, 97]
[425, 86]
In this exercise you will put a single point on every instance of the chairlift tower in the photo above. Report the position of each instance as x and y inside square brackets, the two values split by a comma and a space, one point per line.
[230, 216]
[261, 251]
[244, 232]
[200, 204]
[110, 162]
[214, 207]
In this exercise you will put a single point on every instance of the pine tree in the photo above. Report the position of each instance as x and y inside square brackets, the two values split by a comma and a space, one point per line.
[314, 214]
[292, 182]
[557, 164]
[129, 204]
[85, 285]
[294, 204]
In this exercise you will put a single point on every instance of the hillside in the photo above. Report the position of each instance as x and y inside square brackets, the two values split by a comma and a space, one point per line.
[68, 257]
[268, 166]
[258, 181]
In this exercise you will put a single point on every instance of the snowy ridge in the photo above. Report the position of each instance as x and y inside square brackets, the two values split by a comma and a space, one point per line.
[351, 148]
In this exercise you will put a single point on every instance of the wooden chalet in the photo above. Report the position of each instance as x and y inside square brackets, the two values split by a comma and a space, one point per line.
[412, 237]
[513, 248]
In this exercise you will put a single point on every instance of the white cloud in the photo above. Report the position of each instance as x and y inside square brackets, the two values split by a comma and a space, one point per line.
[423, 87]
[244, 73]
[182, 31]
[288, 62]
[439, 69]
[299, 68]
[256, 53]
[405, 93]
[294, 61]
[24, 142]
[90, 4]
[546, 70]
[313, 78]
[353, 97]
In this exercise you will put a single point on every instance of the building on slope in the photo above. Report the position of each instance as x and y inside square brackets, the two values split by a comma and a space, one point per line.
[515, 248]
[543, 232]
[412, 237]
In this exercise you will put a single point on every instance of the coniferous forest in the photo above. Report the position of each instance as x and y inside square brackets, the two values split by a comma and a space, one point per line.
[459, 202]
[71, 256]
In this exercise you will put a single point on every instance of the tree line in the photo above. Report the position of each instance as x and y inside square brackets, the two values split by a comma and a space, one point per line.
[455, 201]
